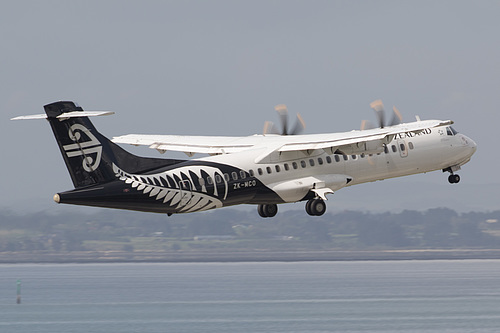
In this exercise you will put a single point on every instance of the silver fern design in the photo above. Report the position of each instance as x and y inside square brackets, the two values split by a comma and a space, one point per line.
[183, 188]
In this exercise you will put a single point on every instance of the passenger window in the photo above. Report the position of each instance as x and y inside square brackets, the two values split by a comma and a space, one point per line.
[362, 155]
[394, 149]
[268, 169]
[328, 159]
[251, 173]
[277, 167]
[242, 174]
[226, 177]
[320, 161]
[234, 175]
[410, 145]
[287, 167]
[311, 162]
[345, 157]
[337, 158]
[402, 146]
[295, 166]
[303, 163]
[353, 157]
[210, 180]
[259, 170]
[218, 179]
[386, 150]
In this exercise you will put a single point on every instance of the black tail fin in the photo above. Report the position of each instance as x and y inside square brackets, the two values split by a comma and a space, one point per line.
[89, 156]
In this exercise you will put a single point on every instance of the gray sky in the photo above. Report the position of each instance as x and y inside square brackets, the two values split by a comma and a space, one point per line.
[219, 68]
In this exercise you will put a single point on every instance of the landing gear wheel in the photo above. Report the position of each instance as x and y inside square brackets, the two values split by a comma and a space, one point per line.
[308, 207]
[260, 210]
[453, 179]
[316, 207]
[269, 210]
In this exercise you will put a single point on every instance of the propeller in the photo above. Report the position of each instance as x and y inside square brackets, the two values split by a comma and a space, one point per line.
[270, 128]
[378, 107]
[366, 125]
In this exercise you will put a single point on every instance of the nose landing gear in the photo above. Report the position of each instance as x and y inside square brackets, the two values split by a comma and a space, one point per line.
[453, 178]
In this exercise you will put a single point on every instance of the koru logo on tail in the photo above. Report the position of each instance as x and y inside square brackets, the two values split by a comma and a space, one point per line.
[90, 149]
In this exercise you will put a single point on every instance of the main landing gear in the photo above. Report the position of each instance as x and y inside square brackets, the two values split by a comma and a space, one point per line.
[267, 210]
[452, 178]
[316, 207]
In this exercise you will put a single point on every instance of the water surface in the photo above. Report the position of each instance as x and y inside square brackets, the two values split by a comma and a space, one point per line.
[375, 296]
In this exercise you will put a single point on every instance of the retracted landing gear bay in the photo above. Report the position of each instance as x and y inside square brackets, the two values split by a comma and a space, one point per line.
[315, 207]
[267, 210]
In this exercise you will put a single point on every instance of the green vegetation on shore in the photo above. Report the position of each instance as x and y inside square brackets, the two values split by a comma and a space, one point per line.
[230, 230]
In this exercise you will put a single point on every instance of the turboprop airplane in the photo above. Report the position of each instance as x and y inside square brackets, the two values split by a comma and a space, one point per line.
[263, 170]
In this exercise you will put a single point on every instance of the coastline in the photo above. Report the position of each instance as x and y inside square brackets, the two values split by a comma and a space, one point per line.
[245, 256]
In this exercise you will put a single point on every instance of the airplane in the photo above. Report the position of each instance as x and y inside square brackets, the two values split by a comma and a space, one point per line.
[264, 170]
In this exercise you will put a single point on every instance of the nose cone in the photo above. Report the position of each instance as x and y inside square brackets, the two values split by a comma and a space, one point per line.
[471, 144]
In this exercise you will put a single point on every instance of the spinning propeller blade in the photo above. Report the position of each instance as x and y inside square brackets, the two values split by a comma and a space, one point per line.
[378, 107]
[270, 128]
[397, 118]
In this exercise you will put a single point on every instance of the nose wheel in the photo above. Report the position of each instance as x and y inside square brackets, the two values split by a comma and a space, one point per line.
[453, 179]
[316, 207]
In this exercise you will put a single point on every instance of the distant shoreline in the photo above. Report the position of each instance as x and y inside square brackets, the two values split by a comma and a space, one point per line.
[245, 256]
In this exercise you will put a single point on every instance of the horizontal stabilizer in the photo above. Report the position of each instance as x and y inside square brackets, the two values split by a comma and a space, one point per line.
[33, 116]
[73, 114]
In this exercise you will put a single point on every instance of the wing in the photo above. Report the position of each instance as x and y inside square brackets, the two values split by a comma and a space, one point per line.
[190, 145]
[359, 142]
[354, 142]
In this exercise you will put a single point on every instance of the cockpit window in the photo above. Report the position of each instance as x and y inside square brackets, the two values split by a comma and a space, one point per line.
[451, 131]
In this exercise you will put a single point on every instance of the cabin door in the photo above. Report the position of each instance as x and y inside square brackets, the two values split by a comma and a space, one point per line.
[403, 148]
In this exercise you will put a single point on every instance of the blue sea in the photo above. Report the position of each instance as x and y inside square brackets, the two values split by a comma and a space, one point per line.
[370, 296]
